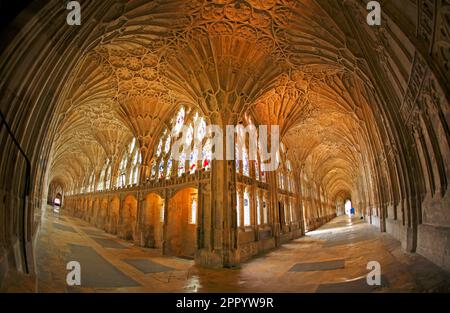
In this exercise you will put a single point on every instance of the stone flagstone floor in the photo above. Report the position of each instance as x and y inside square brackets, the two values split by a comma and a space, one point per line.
[333, 258]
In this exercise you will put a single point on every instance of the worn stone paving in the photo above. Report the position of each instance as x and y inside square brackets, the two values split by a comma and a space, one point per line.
[333, 258]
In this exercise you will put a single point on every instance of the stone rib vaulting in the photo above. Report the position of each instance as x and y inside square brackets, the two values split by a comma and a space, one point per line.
[90, 114]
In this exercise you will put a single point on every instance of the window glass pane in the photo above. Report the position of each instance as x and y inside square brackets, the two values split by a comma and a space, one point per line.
[193, 219]
[246, 209]
[169, 168]
[181, 164]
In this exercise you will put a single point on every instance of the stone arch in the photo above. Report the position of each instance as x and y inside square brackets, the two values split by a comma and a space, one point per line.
[152, 220]
[404, 177]
[113, 218]
[102, 215]
[180, 231]
[128, 218]
[94, 211]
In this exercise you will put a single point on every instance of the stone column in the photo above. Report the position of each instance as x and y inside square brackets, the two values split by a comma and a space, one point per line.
[165, 247]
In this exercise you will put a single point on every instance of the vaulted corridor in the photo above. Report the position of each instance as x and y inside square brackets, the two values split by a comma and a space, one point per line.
[331, 259]
[225, 145]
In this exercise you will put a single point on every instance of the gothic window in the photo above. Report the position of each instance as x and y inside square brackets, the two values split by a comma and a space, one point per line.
[161, 169]
[201, 130]
[189, 135]
[169, 168]
[187, 124]
[284, 171]
[206, 155]
[91, 187]
[159, 149]
[128, 172]
[246, 209]
[265, 215]
[193, 160]
[238, 209]
[182, 164]
[179, 122]
[248, 164]
[193, 213]
[258, 210]
[101, 182]
[167, 145]
[245, 163]
[161, 217]
[132, 146]
[153, 173]
[108, 177]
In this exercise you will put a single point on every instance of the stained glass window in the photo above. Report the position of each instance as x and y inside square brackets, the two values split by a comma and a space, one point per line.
[182, 164]
[193, 161]
[258, 210]
[189, 135]
[238, 209]
[108, 178]
[162, 211]
[179, 120]
[246, 166]
[133, 144]
[196, 131]
[153, 170]
[167, 145]
[257, 170]
[193, 219]
[136, 158]
[159, 149]
[206, 155]
[169, 168]
[246, 209]
[201, 130]
[102, 178]
[161, 169]
[130, 178]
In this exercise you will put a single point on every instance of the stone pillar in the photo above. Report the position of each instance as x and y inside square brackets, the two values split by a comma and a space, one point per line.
[140, 218]
[165, 247]
[221, 232]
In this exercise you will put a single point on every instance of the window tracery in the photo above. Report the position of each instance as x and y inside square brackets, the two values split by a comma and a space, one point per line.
[128, 170]
[190, 127]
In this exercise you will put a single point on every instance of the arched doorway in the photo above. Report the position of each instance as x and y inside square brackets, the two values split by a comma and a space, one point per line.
[128, 213]
[349, 210]
[57, 202]
[94, 211]
[181, 225]
[153, 218]
[113, 219]
[101, 218]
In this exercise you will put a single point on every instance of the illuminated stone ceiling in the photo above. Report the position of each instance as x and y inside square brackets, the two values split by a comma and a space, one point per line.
[286, 62]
